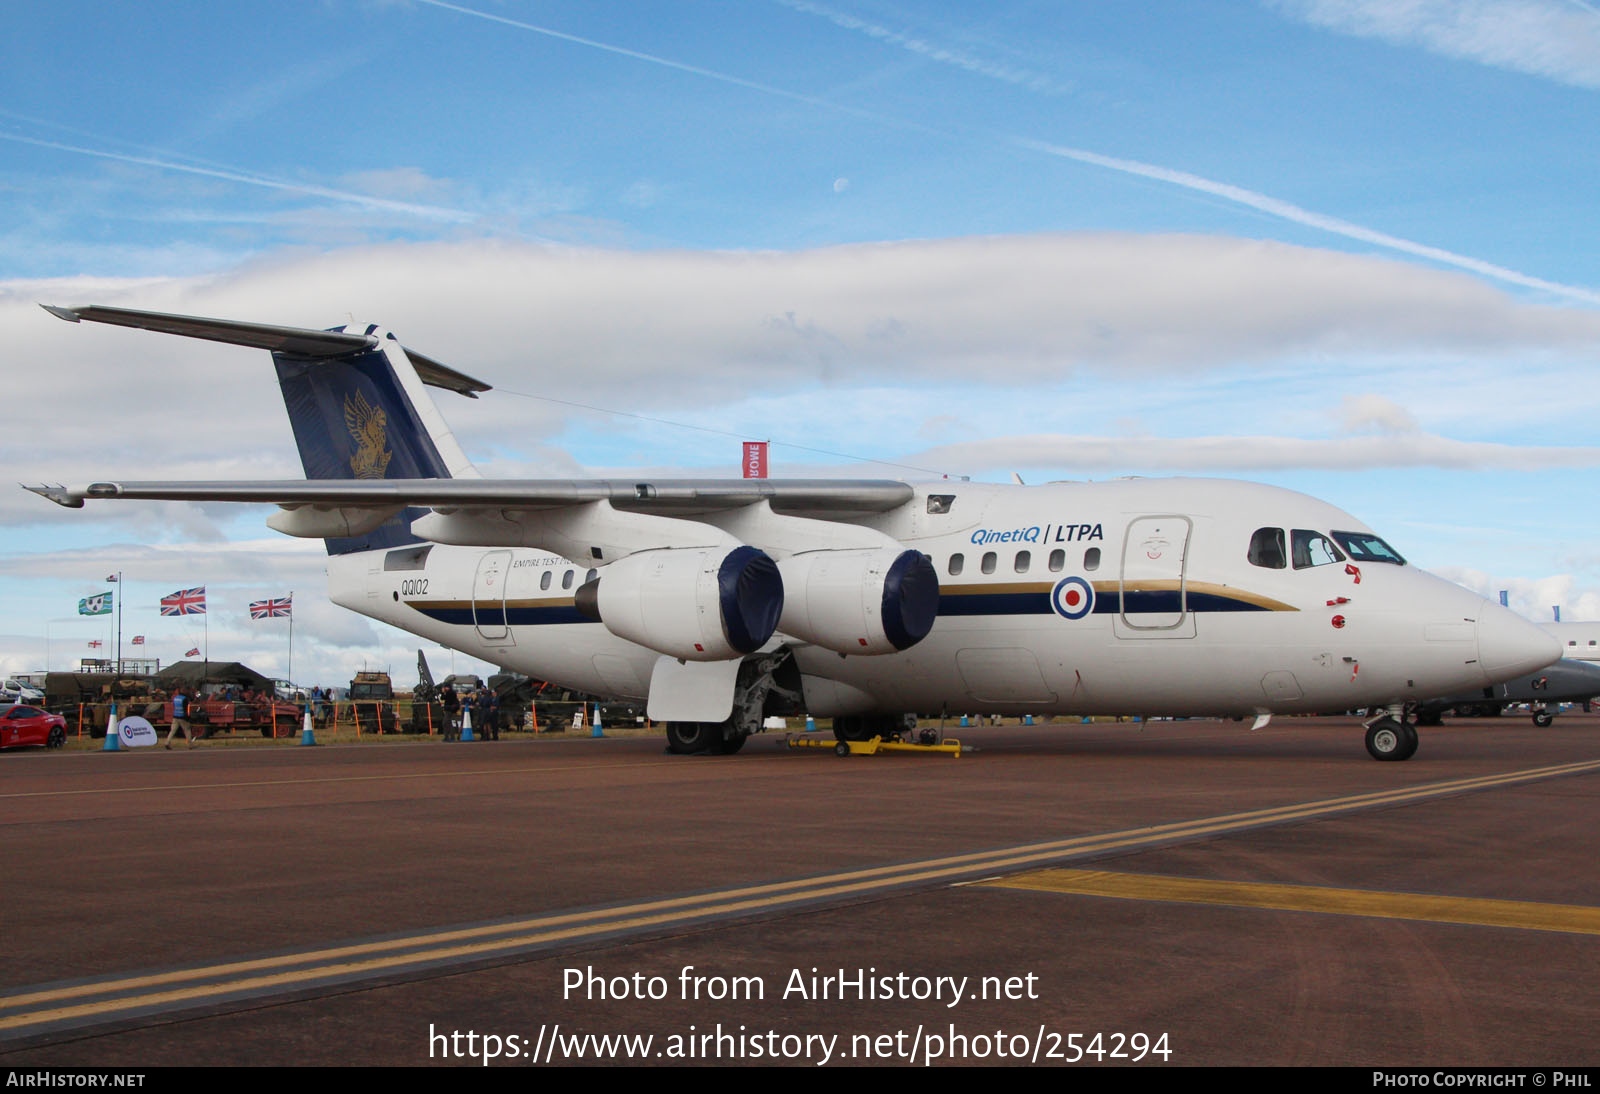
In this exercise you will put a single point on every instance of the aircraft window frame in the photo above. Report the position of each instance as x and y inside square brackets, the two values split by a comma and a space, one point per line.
[566, 579]
[1058, 560]
[1023, 560]
[544, 581]
[1091, 559]
[988, 562]
[1303, 542]
[958, 562]
[940, 503]
[1268, 549]
[1356, 545]
[590, 576]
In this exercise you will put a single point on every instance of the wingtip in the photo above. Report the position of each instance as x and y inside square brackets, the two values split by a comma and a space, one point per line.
[57, 493]
[69, 314]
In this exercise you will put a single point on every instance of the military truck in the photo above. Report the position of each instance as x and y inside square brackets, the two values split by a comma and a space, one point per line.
[372, 699]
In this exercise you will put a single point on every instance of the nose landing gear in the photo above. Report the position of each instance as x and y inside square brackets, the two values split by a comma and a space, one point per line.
[1391, 737]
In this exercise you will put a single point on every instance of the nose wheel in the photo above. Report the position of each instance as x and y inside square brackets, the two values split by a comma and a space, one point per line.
[1391, 738]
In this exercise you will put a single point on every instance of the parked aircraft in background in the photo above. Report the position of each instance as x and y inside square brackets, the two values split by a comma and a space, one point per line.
[1567, 681]
[1579, 641]
[866, 601]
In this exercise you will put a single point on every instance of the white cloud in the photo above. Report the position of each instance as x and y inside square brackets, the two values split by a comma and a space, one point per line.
[1533, 598]
[1259, 454]
[679, 335]
[1547, 38]
[1362, 413]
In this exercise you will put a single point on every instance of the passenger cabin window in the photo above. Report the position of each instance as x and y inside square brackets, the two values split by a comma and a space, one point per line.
[1058, 560]
[957, 562]
[988, 562]
[1091, 559]
[1313, 549]
[544, 581]
[1266, 549]
[1366, 547]
[566, 580]
[588, 577]
[1024, 560]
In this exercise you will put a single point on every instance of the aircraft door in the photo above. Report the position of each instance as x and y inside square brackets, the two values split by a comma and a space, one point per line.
[489, 597]
[1154, 596]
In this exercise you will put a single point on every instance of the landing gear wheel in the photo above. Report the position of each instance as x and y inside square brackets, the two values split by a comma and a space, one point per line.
[733, 743]
[1391, 739]
[851, 727]
[1543, 719]
[57, 738]
[694, 738]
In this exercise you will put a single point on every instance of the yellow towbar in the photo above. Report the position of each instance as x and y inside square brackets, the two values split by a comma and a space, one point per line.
[872, 746]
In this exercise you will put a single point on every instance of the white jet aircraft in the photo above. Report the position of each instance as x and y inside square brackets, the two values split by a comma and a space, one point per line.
[867, 601]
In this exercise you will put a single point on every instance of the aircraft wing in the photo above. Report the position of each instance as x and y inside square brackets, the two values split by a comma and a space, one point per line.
[676, 497]
[595, 519]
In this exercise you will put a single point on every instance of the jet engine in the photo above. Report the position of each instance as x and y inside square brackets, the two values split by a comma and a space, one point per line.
[870, 601]
[694, 603]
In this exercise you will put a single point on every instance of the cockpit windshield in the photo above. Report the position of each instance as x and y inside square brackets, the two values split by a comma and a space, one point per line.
[1366, 547]
[1313, 549]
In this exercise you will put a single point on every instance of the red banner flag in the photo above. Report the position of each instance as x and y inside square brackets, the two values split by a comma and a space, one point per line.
[755, 459]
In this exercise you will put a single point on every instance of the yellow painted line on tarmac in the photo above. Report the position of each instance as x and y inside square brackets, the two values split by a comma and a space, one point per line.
[1470, 911]
[371, 958]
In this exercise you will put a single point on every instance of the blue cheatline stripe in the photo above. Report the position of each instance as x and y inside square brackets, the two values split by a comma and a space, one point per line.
[957, 604]
[489, 615]
[1106, 603]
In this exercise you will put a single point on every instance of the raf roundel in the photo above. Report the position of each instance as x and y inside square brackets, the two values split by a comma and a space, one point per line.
[1072, 598]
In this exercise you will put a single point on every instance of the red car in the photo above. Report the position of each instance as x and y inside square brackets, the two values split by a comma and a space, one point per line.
[22, 725]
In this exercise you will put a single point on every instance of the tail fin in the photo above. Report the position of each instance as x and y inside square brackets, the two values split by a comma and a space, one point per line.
[356, 403]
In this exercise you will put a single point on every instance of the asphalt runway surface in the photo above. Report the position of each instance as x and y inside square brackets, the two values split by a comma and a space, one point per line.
[1178, 892]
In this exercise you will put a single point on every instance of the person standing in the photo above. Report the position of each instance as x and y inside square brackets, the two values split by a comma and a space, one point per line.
[180, 717]
[452, 712]
[488, 708]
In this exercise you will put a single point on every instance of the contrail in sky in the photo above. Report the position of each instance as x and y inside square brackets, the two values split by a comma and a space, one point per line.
[1287, 211]
[428, 212]
[1239, 195]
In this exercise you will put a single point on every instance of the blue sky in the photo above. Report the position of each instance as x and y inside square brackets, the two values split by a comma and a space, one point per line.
[1344, 246]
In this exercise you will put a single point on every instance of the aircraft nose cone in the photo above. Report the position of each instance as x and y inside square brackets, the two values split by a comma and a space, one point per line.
[1510, 646]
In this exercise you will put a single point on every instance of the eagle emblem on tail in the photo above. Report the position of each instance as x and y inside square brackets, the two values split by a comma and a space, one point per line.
[366, 424]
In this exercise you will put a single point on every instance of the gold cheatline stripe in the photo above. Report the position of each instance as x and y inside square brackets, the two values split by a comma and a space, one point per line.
[658, 912]
[1471, 911]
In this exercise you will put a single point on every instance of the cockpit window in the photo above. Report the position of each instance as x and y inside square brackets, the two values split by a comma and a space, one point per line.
[1366, 547]
[1313, 549]
[1266, 549]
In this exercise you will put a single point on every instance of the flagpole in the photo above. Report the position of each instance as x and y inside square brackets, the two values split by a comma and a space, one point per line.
[291, 637]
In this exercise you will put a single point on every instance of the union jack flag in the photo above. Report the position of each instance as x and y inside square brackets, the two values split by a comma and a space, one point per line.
[194, 652]
[138, 640]
[271, 609]
[185, 602]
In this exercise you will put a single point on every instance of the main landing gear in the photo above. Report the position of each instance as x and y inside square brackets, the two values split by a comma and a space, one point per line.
[768, 684]
[1391, 737]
